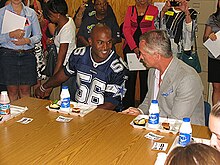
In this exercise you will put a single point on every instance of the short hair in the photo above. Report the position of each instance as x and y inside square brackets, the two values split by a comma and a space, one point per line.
[193, 154]
[99, 26]
[216, 110]
[157, 41]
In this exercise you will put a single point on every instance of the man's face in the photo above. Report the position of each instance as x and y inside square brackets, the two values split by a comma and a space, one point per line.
[214, 126]
[147, 59]
[101, 7]
[101, 44]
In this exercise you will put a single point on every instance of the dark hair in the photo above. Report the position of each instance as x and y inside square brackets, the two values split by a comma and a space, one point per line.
[193, 154]
[55, 6]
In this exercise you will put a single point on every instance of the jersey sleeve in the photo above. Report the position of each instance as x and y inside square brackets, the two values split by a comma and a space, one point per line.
[70, 68]
[115, 89]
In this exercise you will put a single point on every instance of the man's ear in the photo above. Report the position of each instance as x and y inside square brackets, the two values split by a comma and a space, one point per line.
[90, 41]
[157, 55]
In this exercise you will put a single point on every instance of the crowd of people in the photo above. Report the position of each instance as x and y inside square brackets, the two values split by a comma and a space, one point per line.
[89, 65]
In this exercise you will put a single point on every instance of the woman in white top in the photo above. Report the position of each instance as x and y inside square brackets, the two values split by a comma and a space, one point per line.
[64, 38]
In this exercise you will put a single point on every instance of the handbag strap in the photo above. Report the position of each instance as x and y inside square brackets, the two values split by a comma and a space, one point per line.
[195, 42]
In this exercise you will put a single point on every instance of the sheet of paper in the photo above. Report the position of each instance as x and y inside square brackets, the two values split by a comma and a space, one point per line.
[153, 136]
[134, 63]
[12, 22]
[213, 46]
[64, 119]
[25, 120]
[160, 146]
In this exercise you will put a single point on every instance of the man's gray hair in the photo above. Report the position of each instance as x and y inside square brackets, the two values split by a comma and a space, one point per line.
[157, 41]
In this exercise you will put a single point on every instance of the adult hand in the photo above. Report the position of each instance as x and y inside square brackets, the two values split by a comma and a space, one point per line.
[82, 8]
[136, 51]
[39, 93]
[18, 34]
[166, 7]
[183, 6]
[212, 36]
[21, 41]
[131, 111]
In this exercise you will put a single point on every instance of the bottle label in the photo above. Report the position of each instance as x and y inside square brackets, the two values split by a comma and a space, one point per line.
[4, 109]
[184, 138]
[65, 103]
[153, 118]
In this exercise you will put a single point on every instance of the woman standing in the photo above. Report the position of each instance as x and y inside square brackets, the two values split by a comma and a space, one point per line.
[180, 23]
[64, 38]
[213, 26]
[17, 60]
[138, 20]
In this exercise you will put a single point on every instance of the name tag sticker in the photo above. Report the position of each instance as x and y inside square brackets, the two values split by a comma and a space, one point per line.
[170, 13]
[149, 18]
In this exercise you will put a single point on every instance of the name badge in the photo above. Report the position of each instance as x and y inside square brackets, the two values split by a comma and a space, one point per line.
[170, 13]
[149, 17]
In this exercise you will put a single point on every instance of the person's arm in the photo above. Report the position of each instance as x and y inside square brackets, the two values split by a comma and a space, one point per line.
[127, 29]
[61, 56]
[165, 8]
[188, 94]
[83, 40]
[132, 111]
[82, 33]
[107, 105]
[208, 33]
[53, 81]
[79, 15]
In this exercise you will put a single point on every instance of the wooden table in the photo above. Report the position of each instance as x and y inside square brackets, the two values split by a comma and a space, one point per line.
[100, 138]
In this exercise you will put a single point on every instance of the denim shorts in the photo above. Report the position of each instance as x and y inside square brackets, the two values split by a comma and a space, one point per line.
[17, 68]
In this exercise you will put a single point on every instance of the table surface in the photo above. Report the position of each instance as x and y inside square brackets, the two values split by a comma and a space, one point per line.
[101, 137]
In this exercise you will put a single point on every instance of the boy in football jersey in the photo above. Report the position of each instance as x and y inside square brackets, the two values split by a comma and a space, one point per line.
[100, 72]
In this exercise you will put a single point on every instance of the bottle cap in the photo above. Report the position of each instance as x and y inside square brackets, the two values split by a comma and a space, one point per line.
[154, 101]
[64, 87]
[4, 92]
[186, 119]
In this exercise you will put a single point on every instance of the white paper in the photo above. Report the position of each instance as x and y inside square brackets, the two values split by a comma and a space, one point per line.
[153, 136]
[12, 22]
[213, 46]
[134, 63]
[25, 120]
[160, 146]
[64, 119]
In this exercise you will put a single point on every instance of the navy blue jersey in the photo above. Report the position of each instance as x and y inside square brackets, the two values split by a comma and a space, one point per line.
[97, 82]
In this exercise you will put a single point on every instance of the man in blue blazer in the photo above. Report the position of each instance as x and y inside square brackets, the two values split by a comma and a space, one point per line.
[176, 86]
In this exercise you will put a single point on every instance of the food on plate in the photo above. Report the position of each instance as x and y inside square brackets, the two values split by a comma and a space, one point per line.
[54, 105]
[166, 125]
[140, 122]
[76, 110]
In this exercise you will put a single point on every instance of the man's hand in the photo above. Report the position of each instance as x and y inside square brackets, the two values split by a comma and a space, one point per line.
[131, 111]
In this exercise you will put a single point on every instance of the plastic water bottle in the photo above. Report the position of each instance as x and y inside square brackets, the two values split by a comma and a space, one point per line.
[65, 99]
[154, 115]
[185, 132]
[5, 112]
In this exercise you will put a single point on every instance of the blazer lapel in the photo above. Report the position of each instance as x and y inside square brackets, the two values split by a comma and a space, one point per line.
[166, 87]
